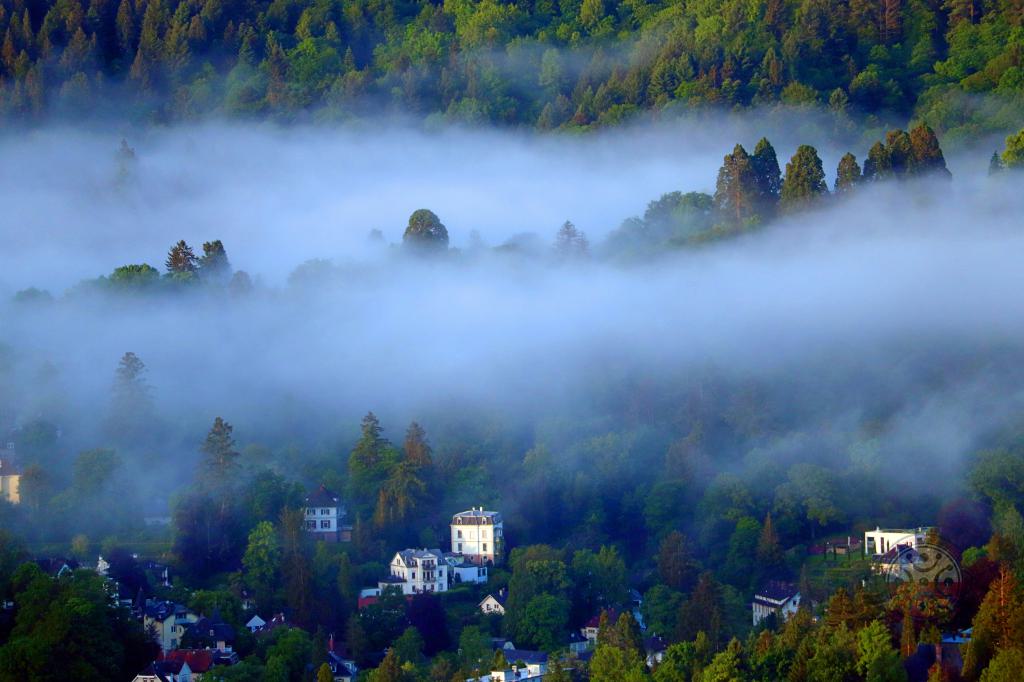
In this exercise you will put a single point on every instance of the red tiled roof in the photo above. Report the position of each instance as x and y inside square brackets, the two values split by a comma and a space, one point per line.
[199, 660]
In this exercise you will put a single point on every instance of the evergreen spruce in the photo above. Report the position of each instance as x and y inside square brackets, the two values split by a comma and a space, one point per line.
[805, 179]
[847, 174]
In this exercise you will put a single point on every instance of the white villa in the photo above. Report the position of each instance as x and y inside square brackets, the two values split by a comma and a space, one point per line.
[478, 535]
[416, 571]
[879, 542]
[325, 516]
[776, 597]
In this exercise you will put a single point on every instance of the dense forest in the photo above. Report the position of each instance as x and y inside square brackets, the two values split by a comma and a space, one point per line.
[649, 486]
[572, 64]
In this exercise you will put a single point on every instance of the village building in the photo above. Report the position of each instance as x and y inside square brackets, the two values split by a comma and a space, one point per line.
[578, 644]
[654, 650]
[776, 597]
[494, 603]
[461, 570]
[255, 624]
[592, 627]
[415, 571]
[478, 535]
[524, 666]
[166, 671]
[10, 476]
[880, 542]
[325, 516]
[167, 621]
[210, 633]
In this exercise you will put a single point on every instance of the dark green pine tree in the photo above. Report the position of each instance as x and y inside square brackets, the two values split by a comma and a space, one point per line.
[417, 449]
[901, 153]
[131, 405]
[878, 166]
[769, 177]
[181, 260]
[214, 264]
[927, 154]
[219, 456]
[805, 179]
[995, 164]
[368, 463]
[847, 174]
[736, 192]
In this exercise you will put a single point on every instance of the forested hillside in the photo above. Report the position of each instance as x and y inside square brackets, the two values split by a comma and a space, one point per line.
[538, 63]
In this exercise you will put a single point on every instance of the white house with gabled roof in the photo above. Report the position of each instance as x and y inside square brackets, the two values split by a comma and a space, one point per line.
[325, 516]
[416, 571]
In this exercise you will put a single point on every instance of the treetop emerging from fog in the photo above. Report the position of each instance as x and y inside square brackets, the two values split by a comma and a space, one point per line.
[425, 232]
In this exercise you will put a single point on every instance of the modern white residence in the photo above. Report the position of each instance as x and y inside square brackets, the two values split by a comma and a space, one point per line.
[325, 516]
[879, 542]
[461, 570]
[478, 535]
[416, 571]
[524, 666]
[776, 597]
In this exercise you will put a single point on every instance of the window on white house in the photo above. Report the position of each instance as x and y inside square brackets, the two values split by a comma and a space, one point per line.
[485, 546]
[325, 524]
[460, 534]
[310, 512]
[325, 512]
[460, 547]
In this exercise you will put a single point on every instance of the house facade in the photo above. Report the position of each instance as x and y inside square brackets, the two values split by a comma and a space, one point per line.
[478, 535]
[10, 477]
[325, 516]
[494, 603]
[416, 571]
[879, 542]
[167, 622]
[775, 597]
[166, 671]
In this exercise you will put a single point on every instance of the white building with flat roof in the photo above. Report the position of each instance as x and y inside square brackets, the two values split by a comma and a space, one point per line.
[478, 535]
[879, 542]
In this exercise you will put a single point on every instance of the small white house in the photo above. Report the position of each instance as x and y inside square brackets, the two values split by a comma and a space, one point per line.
[325, 516]
[478, 535]
[461, 570]
[494, 603]
[776, 597]
[416, 571]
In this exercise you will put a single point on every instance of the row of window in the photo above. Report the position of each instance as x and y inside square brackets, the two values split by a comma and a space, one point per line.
[311, 525]
[483, 547]
[483, 534]
[310, 511]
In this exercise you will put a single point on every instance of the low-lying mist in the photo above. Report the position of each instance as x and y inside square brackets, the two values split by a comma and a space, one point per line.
[896, 311]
